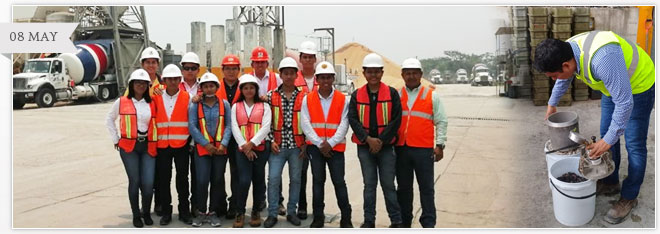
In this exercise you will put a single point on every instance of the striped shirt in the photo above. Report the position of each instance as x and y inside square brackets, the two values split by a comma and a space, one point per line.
[609, 66]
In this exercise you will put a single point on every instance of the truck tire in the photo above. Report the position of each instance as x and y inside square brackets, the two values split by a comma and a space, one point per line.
[104, 93]
[45, 97]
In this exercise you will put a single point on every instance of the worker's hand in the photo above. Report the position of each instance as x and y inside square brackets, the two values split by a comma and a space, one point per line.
[326, 149]
[274, 147]
[247, 146]
[117, 146]
[598, 148]
[210, 148]
[197, 98]
[432, 86]
[438, 154]
[264, 98]
[551, 110]
[222, 150]
[158, 91]
[251, 155]
[375, 144]
[303, 151]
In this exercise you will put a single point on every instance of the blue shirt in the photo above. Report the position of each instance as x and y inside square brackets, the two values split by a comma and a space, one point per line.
[211, 117]
[609, 66]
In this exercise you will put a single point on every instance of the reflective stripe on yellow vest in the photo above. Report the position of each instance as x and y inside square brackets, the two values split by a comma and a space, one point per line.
[128, 127]
[220, 127]
[251, 124]
[278, 118]
[641, 70]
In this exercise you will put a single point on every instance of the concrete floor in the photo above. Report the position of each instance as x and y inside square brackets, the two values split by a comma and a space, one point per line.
[66, 173]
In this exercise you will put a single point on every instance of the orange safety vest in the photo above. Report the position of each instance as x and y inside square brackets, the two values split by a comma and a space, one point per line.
[301, 84]
[129, 129]
[272, 80]
[383, 109]
[250, 125]
[219, 128]
[221, 93]
[417, 128]
[278, 118]
[326, 128]
[172, 132]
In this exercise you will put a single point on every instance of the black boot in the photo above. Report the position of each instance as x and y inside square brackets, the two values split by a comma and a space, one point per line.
[137, 222]
[318, 222]
[147, 219]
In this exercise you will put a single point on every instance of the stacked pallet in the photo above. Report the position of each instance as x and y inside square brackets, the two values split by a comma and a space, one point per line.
[521, 51]
[582, 23]
[539, 20]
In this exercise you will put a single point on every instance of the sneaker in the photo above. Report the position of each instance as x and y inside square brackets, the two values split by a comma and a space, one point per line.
[198, 220]
[607, 189]
[240, 221]
[270, 222]
[620, 210]
[214, 219]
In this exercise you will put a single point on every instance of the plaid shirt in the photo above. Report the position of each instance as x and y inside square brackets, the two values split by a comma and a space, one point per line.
[288, 141]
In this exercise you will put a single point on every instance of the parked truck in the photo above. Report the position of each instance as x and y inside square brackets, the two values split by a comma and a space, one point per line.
[481, 75]
[461, 76]
[436, 76]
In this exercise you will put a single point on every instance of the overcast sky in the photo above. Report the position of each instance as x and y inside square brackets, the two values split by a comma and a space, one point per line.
[397, 32]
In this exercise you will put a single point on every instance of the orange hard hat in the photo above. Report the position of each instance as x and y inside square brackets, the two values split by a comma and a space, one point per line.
[231, 59]
[259, 54]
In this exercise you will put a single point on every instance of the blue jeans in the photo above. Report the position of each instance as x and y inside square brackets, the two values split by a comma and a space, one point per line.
[414, 162]
[140, 169]
[381, 165]
[635, 135]
[275, 165]
[251, 173]
[210, 169]
[336, 166]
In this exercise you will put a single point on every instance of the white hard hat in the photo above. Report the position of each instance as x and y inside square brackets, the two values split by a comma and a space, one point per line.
[247, 78]
[411, 63]
[208, 77]
[149, 52]
[139, 74]
[171, 70]
[324, 68]
[307, 47]
[288, 62]
[189, 57]
[372, 60]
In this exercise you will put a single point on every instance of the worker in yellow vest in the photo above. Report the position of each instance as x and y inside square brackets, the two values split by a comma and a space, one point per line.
[150, 61]
[251, 119]
[172, 128]
[136, 143]
[374, 114]
[625, 74]
[209, 123]
[325, 125]
[421, 142]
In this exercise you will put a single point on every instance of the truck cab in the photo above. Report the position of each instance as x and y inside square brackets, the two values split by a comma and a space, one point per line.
[461, 76]
[39, 82]
[481, 76]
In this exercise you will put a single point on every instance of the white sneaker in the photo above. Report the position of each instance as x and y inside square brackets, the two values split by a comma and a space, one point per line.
[198, 221]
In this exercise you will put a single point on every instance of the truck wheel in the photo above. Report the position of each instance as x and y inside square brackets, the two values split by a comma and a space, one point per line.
[45, 97]
[104, 93]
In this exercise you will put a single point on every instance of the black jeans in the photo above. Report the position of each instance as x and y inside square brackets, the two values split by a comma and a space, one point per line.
[302, 198]
[420, 162]
[164, 165]
[193, 177]
[232, 149]
[251, 173]
[139, 166]
[336, 165]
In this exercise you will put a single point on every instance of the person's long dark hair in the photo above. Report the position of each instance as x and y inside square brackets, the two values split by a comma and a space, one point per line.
[256, 93]
[131, 93]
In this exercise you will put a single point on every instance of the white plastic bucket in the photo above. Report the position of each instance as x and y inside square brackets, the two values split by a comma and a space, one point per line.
[574, 203]
[552, 158]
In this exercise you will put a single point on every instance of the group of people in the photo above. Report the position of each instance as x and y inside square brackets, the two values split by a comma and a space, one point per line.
[263, 118]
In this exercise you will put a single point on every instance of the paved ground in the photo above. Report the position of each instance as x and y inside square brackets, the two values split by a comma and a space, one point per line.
[67, 174]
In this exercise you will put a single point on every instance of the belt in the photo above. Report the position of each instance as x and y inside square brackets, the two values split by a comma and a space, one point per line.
[141, 138]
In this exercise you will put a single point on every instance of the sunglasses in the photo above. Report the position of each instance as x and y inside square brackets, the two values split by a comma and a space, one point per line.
[190, 68]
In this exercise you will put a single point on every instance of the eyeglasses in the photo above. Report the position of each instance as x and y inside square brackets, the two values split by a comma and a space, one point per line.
[190, 68]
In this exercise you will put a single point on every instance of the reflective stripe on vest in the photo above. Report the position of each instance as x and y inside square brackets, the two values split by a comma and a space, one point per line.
[301, 84]
[326, 128]
[172, 132]
[278, 118]
[383, 111]
[128, 127]
[219, 128]
[417, 128]
[250, 125]
[641, 70]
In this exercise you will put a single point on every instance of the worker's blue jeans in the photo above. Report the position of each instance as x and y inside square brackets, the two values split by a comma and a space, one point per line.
[275, 165]
[140, 168]
[635, 134]
[251, 173]
[210, 169]
[380, 166]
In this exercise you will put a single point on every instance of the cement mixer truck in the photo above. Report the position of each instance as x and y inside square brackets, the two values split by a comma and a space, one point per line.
[461, 76]
[481, 75]
[87, 74]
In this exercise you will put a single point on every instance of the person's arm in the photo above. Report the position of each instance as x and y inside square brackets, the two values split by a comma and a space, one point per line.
[390, 131]
[193, 126]
[439, 120]
[354, 119]
[610, 67]
[235, 130]
[306, 124]
[340, 134]
[265, 126]
[226, 136]
[558, 90]
[110, 119]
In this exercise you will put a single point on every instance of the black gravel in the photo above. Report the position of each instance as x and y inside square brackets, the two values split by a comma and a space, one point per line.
[571, 177]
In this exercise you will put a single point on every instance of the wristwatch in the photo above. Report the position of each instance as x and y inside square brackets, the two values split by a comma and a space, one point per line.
[442, 146]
